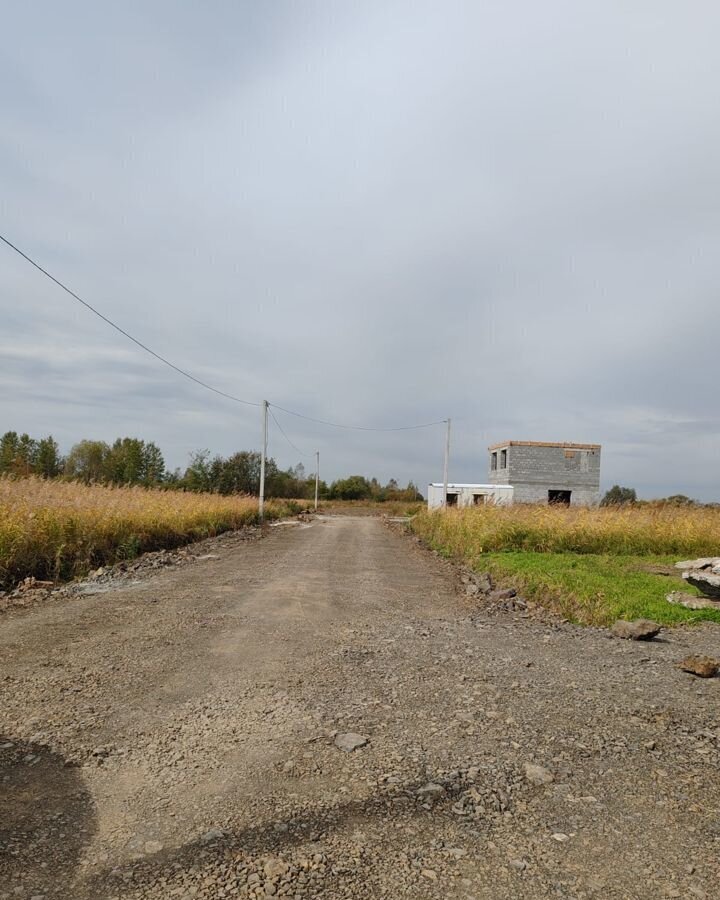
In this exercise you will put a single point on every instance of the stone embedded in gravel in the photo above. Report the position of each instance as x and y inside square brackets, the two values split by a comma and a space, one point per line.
[431, 792]
[638, 630]
[351, 741]
[430, 874]
[538, 775]
[151, 847]
[691, 601]
[503, 594]
[213, 834]
[275, 868]
[703, 666]
[560, 837]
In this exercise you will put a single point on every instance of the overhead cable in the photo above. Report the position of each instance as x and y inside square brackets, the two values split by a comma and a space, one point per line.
[357, 427]
[282, 432]
[198, 381]
[122, 331]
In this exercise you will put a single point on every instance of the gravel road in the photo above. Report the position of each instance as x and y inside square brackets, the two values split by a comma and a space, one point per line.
[180, 734]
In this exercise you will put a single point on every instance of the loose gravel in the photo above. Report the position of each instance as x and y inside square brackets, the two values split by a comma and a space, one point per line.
[329, 713]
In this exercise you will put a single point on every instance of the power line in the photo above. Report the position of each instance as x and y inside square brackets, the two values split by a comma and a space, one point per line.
[357, 427]
[122, 331]
[282, 432]
[198, 381]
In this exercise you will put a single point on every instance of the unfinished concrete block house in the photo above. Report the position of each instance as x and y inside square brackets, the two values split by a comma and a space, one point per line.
[547, 472]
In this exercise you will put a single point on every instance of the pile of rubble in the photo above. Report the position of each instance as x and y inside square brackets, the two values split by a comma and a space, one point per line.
[703, 574]
[32, 591]
[481, 586]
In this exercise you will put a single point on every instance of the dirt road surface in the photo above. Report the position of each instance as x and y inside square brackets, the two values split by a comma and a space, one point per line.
[176, 738]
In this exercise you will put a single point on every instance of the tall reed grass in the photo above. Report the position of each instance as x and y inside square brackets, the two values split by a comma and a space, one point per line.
[629, 530]
[56, 530]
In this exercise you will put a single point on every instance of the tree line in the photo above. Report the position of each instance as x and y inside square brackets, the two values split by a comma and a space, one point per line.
[131, 461]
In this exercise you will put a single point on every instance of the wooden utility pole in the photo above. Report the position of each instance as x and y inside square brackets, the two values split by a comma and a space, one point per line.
[447, 465]
[317, 477]
[261, 503]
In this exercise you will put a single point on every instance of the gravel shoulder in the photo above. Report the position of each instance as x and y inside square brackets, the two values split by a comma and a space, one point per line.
[178, 733]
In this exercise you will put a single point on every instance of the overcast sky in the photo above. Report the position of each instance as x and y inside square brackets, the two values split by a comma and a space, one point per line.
[380, 213]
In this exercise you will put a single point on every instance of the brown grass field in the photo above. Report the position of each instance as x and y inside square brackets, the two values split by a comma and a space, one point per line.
[57, 530]
[629, 530]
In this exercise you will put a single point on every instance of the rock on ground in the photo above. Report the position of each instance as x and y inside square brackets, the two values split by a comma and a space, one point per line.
[351, 741]
[706, 562]
[638, 630]
[704, 666]
[692, 601]
[707, 583]
[538, 775]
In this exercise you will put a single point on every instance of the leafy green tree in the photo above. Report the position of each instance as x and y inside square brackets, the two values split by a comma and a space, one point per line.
[153, 464]
[356, 487]
[18, 454]
[680, 500]
[124, 463]
[87, 461]
[48, 463]
[9, 443]
[197, 474]
[619, 496]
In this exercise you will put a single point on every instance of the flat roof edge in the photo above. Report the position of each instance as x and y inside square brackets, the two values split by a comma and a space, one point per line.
[467, 484]
[568, 445]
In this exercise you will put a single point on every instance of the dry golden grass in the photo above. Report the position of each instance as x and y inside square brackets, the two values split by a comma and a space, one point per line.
[56, 530]
[372, 507]
[590, 565]
[627, 530]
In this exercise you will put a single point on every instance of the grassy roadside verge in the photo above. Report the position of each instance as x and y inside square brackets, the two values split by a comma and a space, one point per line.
[595, 589]
[592, 567]
[59, 530]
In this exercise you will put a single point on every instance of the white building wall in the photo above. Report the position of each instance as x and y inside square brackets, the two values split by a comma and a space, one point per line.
[469, 494]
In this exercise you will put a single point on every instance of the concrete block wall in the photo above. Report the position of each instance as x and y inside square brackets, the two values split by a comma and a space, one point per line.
[533, 493]
[533, 470]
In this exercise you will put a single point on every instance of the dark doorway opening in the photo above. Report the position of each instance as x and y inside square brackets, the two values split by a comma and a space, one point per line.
[559, 498]
[479, 499]
[451, 499]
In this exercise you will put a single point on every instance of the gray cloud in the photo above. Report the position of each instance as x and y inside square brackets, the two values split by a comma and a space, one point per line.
[379, 213]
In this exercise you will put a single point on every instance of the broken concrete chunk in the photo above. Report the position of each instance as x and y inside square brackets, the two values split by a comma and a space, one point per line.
[706, 582]
[351, 741]
[706, 562]
[691, 601]
[703, 666]
[503, 594]
[639, 630]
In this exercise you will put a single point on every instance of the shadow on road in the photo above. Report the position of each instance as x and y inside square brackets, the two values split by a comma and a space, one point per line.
[215, 850]
[46, 818]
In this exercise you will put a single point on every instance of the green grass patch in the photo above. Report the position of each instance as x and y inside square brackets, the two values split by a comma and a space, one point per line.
[592, 565]
[595, 589]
